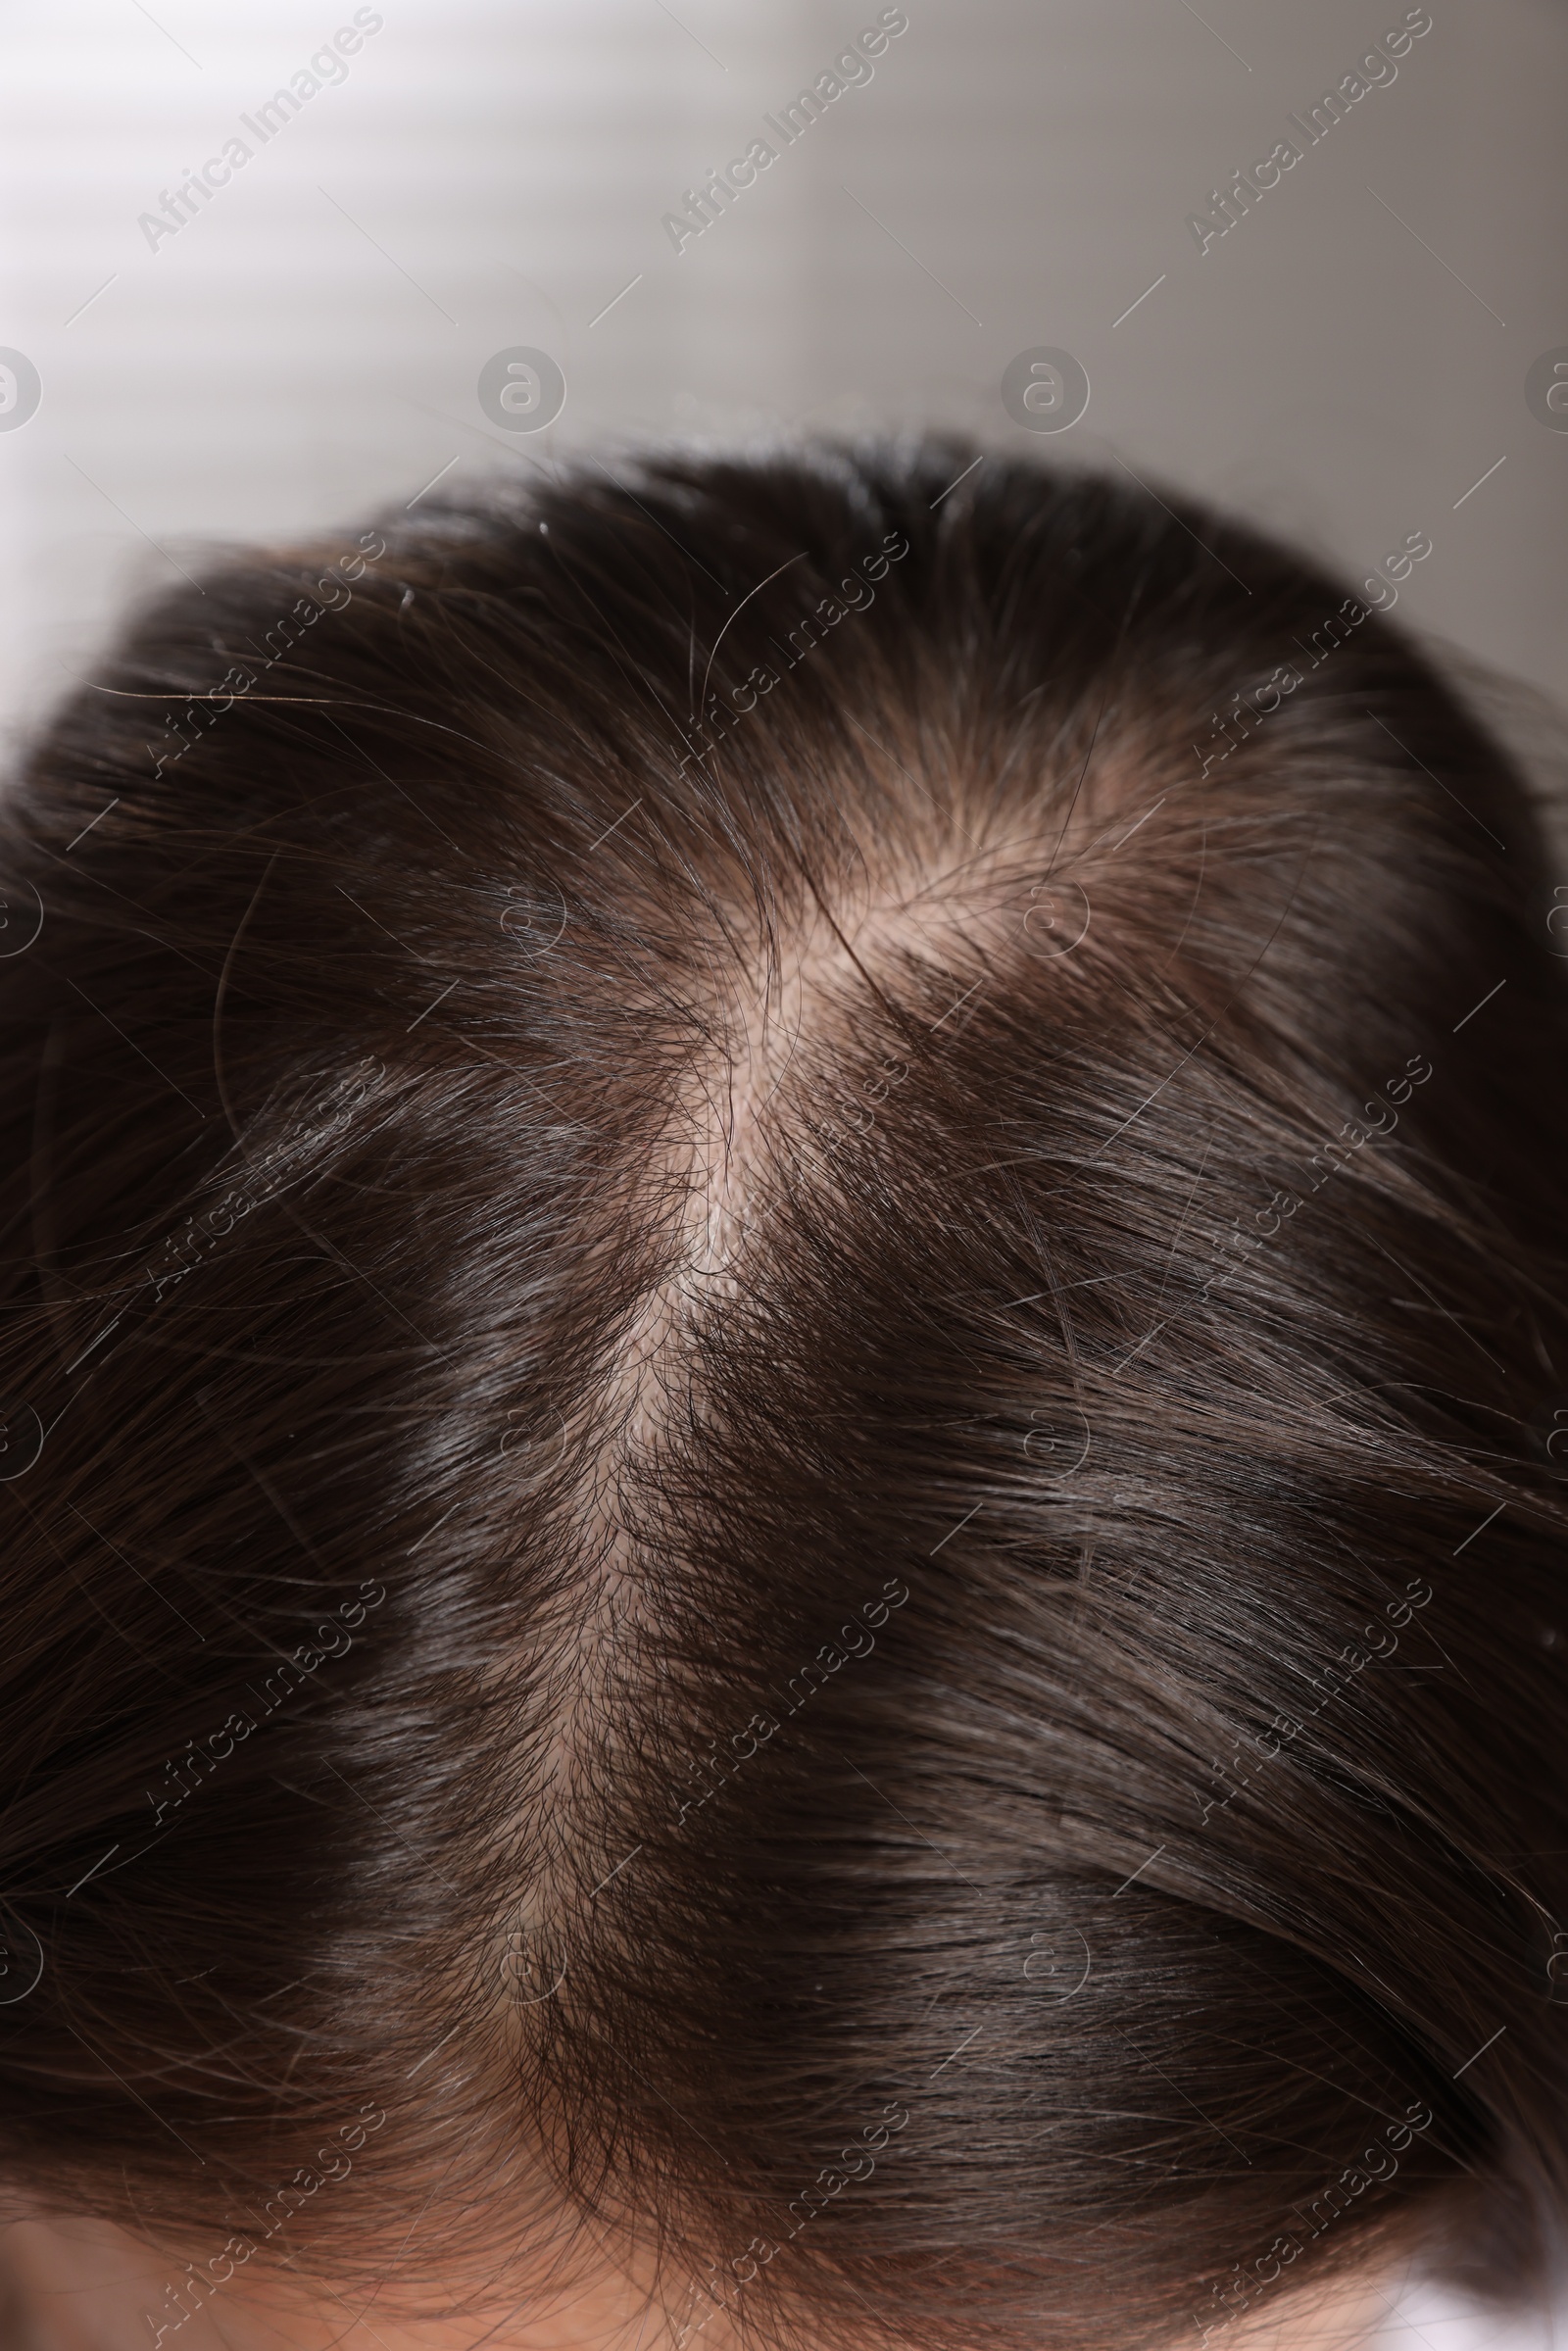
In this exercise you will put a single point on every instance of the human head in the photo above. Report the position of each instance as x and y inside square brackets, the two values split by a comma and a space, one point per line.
[784, 1239]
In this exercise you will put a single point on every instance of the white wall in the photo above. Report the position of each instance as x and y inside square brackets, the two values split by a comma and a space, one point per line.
[492, 171]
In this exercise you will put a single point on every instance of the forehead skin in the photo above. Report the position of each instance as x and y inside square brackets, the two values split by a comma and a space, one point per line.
[77, 2285]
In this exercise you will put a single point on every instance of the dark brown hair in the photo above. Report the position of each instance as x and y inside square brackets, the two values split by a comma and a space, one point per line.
[785, 1326]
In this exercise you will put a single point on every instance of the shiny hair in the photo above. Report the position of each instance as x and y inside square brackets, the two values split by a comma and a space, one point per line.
[784, 1311]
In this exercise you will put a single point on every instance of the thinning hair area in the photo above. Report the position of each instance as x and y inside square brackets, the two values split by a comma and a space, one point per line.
[784, 1318]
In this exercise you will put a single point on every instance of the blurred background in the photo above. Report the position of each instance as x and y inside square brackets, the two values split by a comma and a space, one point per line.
[1349, 361]
[430, 189]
